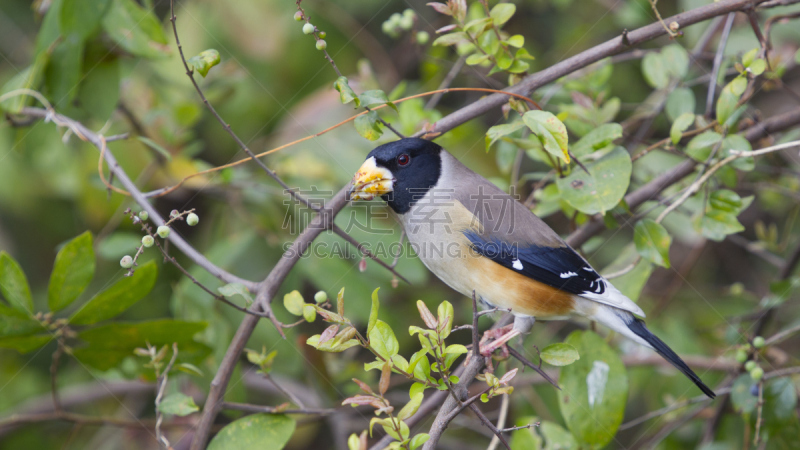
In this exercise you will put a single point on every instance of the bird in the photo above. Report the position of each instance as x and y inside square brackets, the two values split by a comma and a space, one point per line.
[481, 241]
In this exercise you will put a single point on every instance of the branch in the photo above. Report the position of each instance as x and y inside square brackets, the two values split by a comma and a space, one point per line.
[583, 59]
[254, 409]
[712, 82]
[162, 386]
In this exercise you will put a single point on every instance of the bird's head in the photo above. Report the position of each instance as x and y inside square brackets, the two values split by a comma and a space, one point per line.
[400, 172]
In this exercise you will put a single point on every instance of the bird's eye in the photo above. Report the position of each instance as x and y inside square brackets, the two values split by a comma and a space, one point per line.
[403, 159]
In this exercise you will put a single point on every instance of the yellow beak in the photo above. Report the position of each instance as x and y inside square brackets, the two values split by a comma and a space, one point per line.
[371, 181]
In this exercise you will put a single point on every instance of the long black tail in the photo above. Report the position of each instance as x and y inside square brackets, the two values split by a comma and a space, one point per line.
[638, 327]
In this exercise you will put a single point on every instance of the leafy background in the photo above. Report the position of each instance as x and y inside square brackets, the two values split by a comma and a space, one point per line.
[114, 66]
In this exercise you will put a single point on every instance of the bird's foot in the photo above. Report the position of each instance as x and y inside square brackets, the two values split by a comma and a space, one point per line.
[497, 339]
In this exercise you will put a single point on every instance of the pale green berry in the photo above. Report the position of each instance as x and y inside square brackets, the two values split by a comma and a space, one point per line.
[409, 13]
[423, 37]
[758, 342]
[126, 262]
[174, 213]
[308, 29]
[396, 18]
[192, 219]
[148, 241]
[320, 297]
[741, 355]
[750, 365]
[322, 34]
[406, 22]
[387, 27]
[321, 45]
[757, 373]
[163, 231]
[143, 215]
[298, 16]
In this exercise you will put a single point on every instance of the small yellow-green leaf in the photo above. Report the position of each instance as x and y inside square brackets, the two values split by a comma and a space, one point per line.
[652, 241]
[501, 13]
[559, 354]
[203, 62]
[476, 58]
[654, 69]
[681, 124]
[411, 407]
[451, 39]
[699, 148]
[446, 317]
[72, 272]
[373, 312]
[293, 302]
[383, 340]
[758, 67]
[178, 404]
[517, 40]
[551, 132]
[368, 126]
[346, 93]
[309, 313]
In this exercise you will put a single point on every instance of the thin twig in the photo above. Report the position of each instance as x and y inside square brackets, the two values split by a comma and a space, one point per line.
[448, 79]
[712, 82]
[488, 423]
[501, 422]
[162, 386]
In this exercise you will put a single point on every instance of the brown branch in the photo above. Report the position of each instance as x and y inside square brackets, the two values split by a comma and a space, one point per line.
[583, 59]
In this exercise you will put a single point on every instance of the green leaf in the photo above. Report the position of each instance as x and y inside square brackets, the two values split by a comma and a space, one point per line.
[293, 302]
[15, 323]
[652, 241]
[29, 78]
[346, 93]
[676, 61]
[107, 345]
[14, 284]
[498, 131]
[757, 67]
[716, 224]
[178, 404]
[743, 401]
[118, 298]
[135, 29]
[50, 31]
[681, 124]
[373, 312]
[654, 69]
[501, 13]
[451, 39]
[679, 102]
[749, 57]
[203, 62]
[551, 132]
[559, 354]
[477, 58]
[383, 340]
[309, 313]
[593, 390]
[780, 400]
[72, 272]
[63, 73]
[82, 17]
[418, 440]
[517, 41]
[603, 187]
[261, 431]
[518, 66]
[729, 98]
[411, 407]
[368, 126]
[25, 344]
[699, 148]
[596, 139]
[375, 97]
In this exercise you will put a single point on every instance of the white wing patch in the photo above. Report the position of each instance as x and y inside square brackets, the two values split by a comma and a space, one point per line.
[517, 264]
[568, 274]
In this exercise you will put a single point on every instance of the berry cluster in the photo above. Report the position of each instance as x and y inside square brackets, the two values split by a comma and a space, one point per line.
[149, 239]
[397, 23]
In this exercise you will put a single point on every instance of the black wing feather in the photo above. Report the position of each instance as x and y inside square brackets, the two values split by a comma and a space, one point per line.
[559, 267]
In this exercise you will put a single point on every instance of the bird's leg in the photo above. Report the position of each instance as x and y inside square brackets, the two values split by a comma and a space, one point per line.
[521, 325]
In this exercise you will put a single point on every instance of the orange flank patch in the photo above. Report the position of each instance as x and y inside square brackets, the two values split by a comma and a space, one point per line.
[505, 288]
